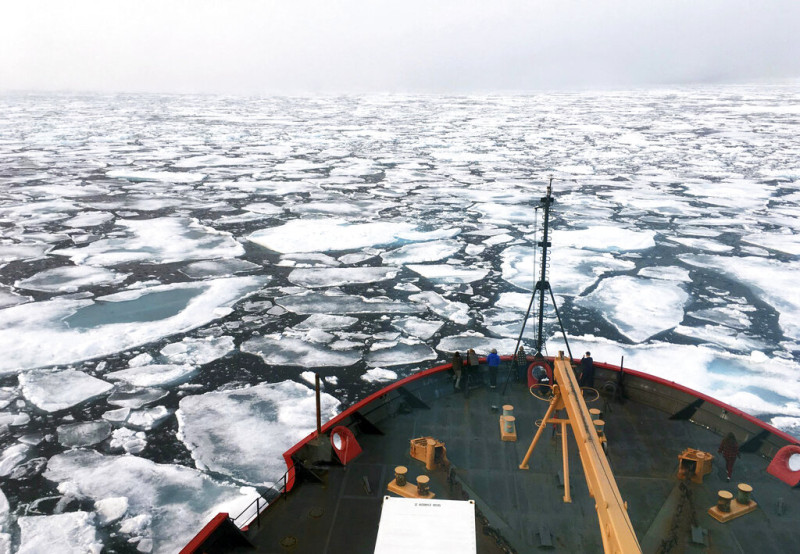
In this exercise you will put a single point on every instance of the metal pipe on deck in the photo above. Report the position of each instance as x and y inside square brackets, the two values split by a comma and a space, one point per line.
[319, 409]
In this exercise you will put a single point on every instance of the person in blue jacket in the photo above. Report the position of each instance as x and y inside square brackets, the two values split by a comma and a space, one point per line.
[493, 361]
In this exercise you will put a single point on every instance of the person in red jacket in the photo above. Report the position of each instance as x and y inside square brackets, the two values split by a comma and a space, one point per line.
[729, 449]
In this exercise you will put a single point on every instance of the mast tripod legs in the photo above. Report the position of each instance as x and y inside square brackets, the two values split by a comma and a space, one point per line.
[556, 403]
[553, 406]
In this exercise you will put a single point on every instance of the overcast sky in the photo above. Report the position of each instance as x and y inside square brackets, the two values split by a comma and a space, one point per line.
[296, 46]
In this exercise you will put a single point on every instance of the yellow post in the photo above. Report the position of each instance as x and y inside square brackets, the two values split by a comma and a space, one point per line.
[553, 404]
[565, 454]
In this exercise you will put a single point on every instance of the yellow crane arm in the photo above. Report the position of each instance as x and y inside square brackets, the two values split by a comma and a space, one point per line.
[615, 525]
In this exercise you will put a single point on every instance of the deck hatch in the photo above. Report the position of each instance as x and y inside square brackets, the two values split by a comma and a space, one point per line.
[426, 526]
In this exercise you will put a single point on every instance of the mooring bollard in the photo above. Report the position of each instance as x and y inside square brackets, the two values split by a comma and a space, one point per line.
[400, 475]
[422, 485]
[743, 496]
[724, 501]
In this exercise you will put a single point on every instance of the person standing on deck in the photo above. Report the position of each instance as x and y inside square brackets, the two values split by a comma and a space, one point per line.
[470, 368]
[587, 371]
[521, 361]
[493, 360]
[458, 365]
[729, 449]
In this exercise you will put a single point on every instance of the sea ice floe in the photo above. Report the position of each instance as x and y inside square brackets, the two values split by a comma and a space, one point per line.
[328, 235]
[218, 428]
[326, 321]
[160, 240]
[480, 343]
[787, 424]
[137, 175]
[86, 433]
[325, 303]
[730, 339]
[731, 315]
[7, 396]
[702, 244]
[356, 257]
[283, 350]
[132, 442]
[741, 194]
[63, 331]
[4, 513]
[118, 416]
[155, 375]
[90, 219]
[336, 276]
[193, 498]
[128, 396]
[148, 418]
[61, 390]
[198, 351]
[639, 308]
[400, 354]
[605, 238]
[68, 533]
[788, 243]
[457, 312]
[308, 259]
[264, 208]
[493, 241]
[572, 270]
[417, 327]
[10, 252]
[12, 457]
[71, 278]
[110, 509]
[218, 268]
[668, 273]
[431, 251]
[446, 273]
[10, 298]
[379, 375]
[771, 280]
[341, 208]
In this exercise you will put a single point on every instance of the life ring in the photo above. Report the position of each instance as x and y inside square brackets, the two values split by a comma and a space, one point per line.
[786, 465]
[344, 443]
[532, 380]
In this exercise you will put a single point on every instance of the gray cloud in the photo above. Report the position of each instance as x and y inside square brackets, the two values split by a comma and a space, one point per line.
[358, 45]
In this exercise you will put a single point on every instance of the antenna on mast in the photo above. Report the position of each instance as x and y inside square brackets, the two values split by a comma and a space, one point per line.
[541, 285]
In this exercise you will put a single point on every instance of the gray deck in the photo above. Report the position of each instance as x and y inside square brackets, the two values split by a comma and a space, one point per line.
[643, 449]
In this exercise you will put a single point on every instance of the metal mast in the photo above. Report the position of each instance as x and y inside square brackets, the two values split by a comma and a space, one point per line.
[543, 284]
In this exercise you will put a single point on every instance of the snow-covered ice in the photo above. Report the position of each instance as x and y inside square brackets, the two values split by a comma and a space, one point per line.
[417, 327]
[336, 276]
[400, 354]
[71, 278]
[445, 273]
[282, 350]
[379, 375]
[328, 235]
[161, 240]
[639, 308]
[155, 375]
[323, 303]
[193, 497]
[219, 427]
[77, 330]
[83, 434]
[71, 533]
[61, 390]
